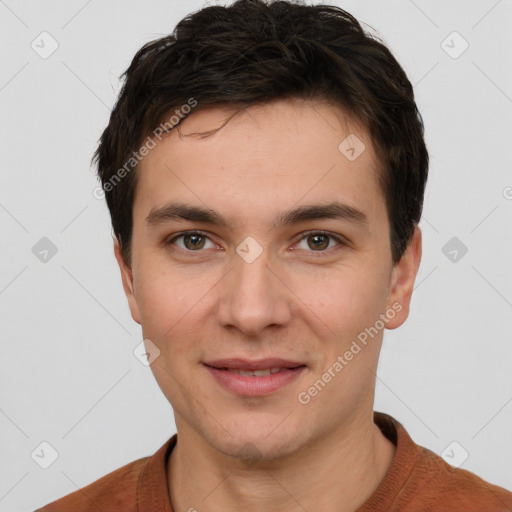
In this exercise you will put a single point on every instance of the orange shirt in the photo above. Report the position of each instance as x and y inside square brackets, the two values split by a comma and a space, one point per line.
[417, 481]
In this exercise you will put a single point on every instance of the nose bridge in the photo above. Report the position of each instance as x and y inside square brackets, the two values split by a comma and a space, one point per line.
[254, 297]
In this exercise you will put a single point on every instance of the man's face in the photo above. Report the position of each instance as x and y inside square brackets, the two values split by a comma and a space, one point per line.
[262, 288]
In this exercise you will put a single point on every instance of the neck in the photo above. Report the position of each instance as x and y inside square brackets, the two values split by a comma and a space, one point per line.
[338, 472]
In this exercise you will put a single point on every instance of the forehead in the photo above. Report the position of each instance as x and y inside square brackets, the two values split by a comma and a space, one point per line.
[265, 158]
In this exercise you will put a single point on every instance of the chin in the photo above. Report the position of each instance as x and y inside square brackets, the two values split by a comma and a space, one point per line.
[257, 445]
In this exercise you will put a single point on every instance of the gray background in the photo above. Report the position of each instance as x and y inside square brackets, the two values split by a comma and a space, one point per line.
[68, 374]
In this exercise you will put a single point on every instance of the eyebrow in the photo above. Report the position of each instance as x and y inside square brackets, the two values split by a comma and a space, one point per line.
[180, 211]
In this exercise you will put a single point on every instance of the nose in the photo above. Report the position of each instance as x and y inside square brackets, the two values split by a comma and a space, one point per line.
[254, 297]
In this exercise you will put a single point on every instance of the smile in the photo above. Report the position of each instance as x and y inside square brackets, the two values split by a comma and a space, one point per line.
[245, 378]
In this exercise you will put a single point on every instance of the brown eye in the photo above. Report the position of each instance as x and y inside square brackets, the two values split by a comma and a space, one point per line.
[319, 241]
[193, 241]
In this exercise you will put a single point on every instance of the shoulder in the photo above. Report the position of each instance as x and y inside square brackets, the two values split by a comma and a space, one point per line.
[440, 484]
[419, 480]
[114, 491]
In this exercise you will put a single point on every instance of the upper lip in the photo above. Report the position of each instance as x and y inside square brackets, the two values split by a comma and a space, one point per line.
[257, 364]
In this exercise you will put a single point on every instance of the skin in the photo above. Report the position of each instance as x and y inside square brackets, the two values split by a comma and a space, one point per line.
[295, 301]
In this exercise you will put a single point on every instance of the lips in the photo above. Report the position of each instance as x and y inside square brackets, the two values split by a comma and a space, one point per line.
[254, 373]
[245, 365]
[254, 378]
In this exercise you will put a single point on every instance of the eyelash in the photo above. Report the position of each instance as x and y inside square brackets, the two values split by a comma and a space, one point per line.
[205, 235]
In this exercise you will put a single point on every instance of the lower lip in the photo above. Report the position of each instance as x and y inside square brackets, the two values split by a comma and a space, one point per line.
[248, 385]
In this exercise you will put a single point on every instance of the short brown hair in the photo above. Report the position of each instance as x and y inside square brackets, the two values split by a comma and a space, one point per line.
[255, 52]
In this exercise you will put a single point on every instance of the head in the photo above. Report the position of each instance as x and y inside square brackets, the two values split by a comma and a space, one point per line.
[288, 138]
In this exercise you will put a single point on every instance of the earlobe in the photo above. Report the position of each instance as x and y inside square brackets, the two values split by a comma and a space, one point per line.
[127, 279]
[402, 281]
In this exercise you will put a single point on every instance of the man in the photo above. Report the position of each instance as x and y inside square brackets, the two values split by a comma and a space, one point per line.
[264, 168]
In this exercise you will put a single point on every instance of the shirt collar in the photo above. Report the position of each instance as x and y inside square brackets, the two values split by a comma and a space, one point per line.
[153, 493]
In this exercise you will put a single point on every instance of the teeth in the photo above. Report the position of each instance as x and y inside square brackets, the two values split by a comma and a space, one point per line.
[255, 373]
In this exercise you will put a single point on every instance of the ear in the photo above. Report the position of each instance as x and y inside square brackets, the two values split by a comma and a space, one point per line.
[402, 281]
[127, 278]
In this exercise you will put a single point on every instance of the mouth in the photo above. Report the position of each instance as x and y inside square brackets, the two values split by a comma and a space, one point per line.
[254, 378]
[255, 373]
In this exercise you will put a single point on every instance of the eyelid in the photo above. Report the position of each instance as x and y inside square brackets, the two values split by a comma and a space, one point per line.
[175, 236]
[341, 241]
[339, 238]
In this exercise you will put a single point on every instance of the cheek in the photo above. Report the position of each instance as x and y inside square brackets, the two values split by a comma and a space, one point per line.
[344, 301]
[173, 306]
[162, 298]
